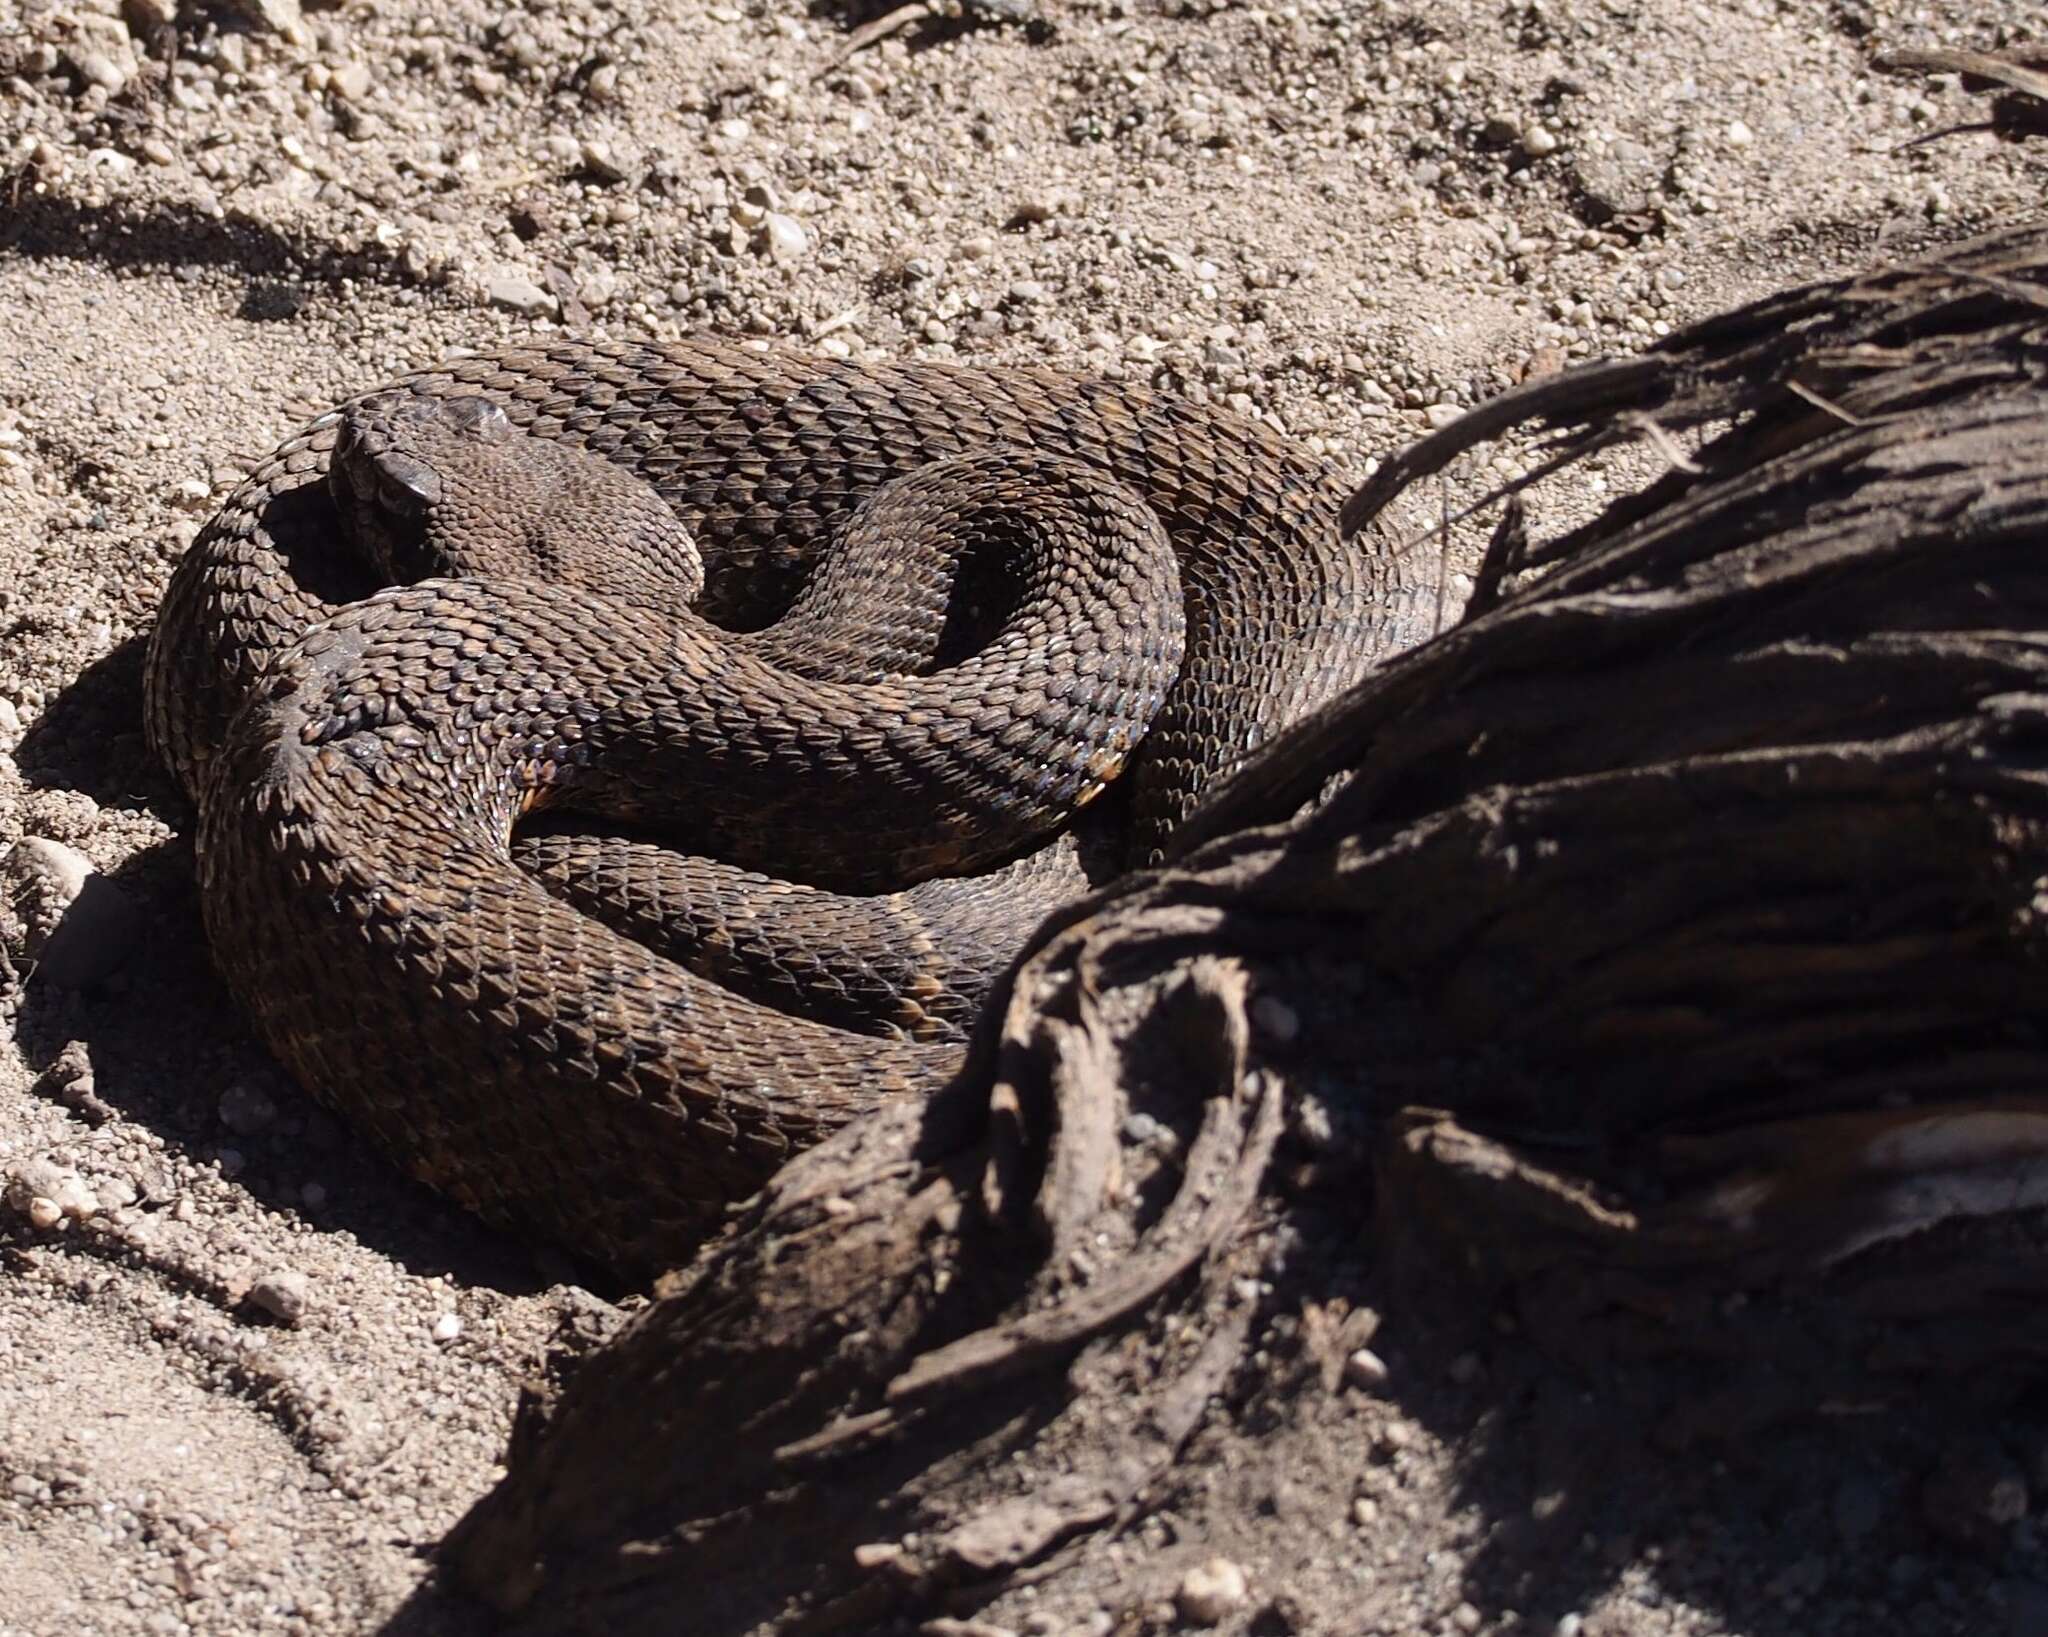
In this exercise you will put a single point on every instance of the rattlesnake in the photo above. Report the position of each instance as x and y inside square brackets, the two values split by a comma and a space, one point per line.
[359, 757]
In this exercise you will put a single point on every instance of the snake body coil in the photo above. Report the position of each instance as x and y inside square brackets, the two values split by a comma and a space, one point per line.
[890, 711]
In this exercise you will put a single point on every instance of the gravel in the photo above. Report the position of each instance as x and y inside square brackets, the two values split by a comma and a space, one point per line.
[248, 1375]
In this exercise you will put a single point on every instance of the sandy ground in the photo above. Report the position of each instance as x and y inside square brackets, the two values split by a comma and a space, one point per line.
[1349, 218]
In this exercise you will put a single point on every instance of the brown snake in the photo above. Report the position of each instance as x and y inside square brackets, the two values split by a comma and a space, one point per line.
[360, 757]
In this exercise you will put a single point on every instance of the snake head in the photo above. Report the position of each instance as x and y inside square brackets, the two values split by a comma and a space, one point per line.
[434, 487]
[393, 458]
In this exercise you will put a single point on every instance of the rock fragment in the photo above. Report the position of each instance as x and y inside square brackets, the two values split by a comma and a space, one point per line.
[1210, 1592]
[282, 1294]
[784, 237]
[519, 295]
[274, 17]
[46, 1192]
[60, 919]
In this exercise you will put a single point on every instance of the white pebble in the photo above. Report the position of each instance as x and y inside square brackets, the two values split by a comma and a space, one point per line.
[787, 240]
[1366, 1369]
[97, 68]
[447, 1327]
[1538, 140]
[37, 1188]
[1211, 1591]
[519, 295]
[1739, 134]
[350, 81]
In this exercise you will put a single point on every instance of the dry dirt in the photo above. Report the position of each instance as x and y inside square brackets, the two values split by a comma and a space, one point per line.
[1350, 218]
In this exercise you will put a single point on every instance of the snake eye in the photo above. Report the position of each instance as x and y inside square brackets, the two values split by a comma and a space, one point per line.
[406, 483]
[478, 417]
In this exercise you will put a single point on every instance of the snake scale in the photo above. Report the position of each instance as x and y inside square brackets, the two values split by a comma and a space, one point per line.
[365, 709]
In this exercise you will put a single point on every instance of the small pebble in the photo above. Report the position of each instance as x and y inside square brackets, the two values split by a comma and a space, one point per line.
[351, 81]
[1210, 1592]
[1739, 134]
[282, 1294]
[1044, 206]
[70, 1079]
[45, 1192]
[447, 1327]
[599, 160]
[785, 237]
[520, 296]
[1366, 1369]
[97, 68]
[1537, 141]
[278, 16]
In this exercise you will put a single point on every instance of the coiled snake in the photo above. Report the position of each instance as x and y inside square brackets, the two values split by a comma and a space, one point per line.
[998, 637]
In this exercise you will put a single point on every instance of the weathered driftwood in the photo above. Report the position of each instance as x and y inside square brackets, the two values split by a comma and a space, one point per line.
[1673, 927]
